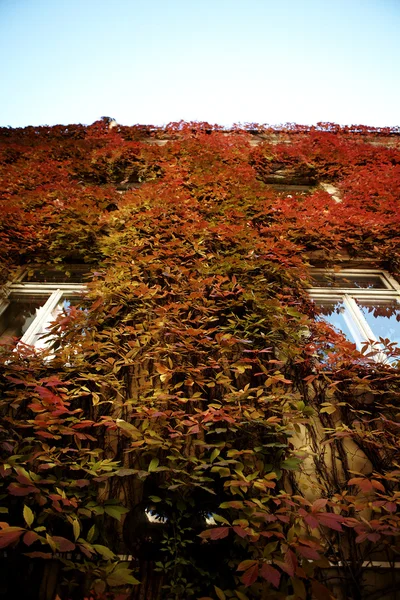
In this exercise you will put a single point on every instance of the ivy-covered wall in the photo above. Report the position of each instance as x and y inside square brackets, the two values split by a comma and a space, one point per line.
[195, 417]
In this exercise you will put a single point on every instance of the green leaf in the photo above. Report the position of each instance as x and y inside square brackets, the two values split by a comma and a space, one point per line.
[153, 465]
[115, 511]
[269, 548]
[23, 472]
[222, 471]
[216, 452]
[97, 509]
[220, 519]
[298, 588]
[121, 576]
[291, 464]
[99, 586]
[91, 533]
[104, 551]
[241, 596]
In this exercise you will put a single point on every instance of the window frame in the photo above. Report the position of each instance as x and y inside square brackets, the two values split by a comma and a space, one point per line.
[356, 322]
[54, 291]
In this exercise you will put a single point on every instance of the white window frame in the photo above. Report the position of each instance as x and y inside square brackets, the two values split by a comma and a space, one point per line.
[355, 320]
[55, 292]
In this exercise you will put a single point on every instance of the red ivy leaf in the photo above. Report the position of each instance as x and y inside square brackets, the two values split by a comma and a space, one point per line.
[219, 532]
[81, 482]
[270, 574]
[9, 535]
[85, 551]
[364, 484]
[330, 520]
[30, 537]
[240, 531]
[250, 576]
[46, 434]
[38, 554]
[309, 553]
[64, 544]
[319, 504]
[20, 490]
[291, 562]
[311, 521]
[4, 470]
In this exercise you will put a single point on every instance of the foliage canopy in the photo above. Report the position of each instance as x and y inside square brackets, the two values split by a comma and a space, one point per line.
[193, 376]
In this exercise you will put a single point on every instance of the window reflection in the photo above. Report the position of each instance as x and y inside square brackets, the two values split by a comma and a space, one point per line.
[336, 315]
[209, 519]
[153, 517]
[383, 317]
[18, 316]
[43, 338]
[366, 310]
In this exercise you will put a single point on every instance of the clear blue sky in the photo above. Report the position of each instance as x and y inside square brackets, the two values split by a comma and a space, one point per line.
[222, 61]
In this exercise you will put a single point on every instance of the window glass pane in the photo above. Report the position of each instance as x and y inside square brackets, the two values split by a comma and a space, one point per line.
[18, 316]
[64, 305]
[334, 312]
[42, 340]
[332, 280]
[383, 317]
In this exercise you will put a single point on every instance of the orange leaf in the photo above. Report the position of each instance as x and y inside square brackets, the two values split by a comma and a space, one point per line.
[377, 485]
[246, 564]
[319, 504]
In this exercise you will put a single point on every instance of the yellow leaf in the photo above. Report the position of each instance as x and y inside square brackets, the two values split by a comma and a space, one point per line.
[28, 515]
[76, 528]
[219, 593]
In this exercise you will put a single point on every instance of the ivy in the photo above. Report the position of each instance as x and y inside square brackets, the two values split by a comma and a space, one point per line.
[193, 383]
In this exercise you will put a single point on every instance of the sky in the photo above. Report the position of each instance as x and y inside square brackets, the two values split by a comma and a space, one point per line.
[220, 61]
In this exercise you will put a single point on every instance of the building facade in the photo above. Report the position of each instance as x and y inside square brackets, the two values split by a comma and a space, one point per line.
[199, 336]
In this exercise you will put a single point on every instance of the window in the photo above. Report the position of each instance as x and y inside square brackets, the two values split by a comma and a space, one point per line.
[364, 304]
[30, 305]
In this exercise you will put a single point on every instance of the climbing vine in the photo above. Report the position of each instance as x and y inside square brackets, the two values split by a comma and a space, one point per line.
[193, 381]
